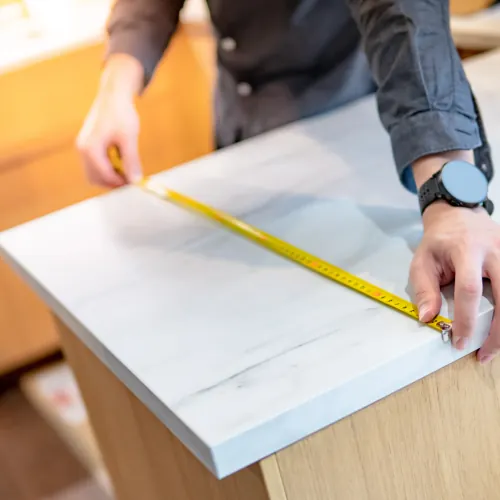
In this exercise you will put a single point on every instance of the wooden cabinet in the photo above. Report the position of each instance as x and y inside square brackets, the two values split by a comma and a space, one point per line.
[435, 439]
[43, 107]
[461, 7]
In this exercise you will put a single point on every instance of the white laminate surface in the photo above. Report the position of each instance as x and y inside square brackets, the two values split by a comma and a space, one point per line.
[237, 351]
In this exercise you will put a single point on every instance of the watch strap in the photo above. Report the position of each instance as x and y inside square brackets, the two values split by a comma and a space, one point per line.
[488, 206]
[429, 192]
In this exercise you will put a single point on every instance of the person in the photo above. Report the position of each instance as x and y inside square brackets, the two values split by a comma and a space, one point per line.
[282, 60]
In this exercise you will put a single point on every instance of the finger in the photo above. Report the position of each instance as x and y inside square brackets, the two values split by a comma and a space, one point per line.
[424, 277]
[92, 177]
[468, 291]
[491, 346]
[90, 173]
[96, 165]
[130, 157]
[101, 168]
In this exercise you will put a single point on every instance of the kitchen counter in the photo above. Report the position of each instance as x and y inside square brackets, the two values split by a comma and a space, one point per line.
[177, 327]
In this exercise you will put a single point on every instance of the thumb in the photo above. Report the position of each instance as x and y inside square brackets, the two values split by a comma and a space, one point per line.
[130, 158]
[424, 278]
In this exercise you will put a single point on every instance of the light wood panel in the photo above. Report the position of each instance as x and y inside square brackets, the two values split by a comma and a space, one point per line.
[437, 439]
[44, 105]
[198, 34]
[145, 461]
[272, 478]
[43, 108]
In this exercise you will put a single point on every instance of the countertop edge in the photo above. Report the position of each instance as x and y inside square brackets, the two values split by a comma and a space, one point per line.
[131, 381]
[248, 447]
[368, 389]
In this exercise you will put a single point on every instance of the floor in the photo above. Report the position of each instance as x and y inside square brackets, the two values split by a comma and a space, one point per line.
[34, 462]
[86, 490]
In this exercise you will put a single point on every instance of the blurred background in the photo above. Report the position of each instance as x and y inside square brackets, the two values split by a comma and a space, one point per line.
[50, 59]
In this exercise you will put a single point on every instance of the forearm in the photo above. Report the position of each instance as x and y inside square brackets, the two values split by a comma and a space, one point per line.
[142, 30]
[426, 166]
[123, 74]
[424, 99]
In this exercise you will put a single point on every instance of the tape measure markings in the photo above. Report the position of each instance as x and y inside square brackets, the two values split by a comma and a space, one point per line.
[311, 262]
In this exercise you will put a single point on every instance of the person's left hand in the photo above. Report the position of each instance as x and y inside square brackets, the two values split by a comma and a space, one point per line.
[463, 245]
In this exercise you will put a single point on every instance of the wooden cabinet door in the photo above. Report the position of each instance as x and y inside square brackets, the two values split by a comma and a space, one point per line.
[462, 7]
[43, 107]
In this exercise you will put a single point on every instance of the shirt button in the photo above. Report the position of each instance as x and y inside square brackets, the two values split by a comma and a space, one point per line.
[244, 89]
[228, 44]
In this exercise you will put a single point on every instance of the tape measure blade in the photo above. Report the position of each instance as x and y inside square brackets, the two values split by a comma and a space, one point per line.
[303, 258]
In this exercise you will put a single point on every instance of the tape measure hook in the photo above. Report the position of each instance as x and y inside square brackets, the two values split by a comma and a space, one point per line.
[446, 331]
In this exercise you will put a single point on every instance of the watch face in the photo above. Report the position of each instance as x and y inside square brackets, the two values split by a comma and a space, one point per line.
[464, 182]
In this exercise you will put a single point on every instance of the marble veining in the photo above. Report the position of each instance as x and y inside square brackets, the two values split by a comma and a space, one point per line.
[237, 350]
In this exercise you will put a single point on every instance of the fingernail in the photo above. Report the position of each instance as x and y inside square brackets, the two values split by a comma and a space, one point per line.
[422, 312]
[485, 358]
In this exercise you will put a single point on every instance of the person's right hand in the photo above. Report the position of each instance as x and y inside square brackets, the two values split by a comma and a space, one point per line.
[112, 121]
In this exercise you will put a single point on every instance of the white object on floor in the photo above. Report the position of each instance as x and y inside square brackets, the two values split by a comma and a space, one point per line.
[58, 386]
[238, 351]
[53, 391]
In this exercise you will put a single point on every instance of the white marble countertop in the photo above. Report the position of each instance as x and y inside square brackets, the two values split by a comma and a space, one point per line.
[239, 352]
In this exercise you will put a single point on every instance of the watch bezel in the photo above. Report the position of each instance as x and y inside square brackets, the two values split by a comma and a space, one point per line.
[434, 190]
[452, 199]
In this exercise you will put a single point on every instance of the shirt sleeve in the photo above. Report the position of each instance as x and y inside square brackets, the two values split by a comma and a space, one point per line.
[424, 99]
[142, 29]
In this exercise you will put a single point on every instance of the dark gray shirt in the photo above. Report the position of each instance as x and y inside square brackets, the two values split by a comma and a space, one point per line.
[281, 60]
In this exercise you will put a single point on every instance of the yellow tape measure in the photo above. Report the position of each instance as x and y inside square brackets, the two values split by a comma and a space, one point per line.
[311, 262]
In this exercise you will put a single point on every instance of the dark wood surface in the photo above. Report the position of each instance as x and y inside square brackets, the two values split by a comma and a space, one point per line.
[34, 462]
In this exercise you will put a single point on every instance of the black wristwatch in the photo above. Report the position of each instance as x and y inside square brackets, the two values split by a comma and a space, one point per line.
[459, 183]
